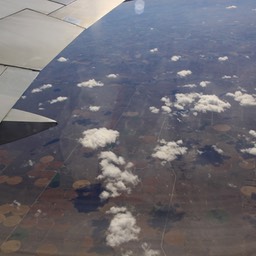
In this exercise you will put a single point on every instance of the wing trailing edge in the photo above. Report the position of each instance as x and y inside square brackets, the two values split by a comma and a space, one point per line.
[19, 124]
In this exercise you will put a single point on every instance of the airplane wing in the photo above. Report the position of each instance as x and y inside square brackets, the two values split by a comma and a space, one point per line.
[32, 34]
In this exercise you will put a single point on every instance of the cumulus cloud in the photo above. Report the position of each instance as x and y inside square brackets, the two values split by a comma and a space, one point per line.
[90, 83]
[58, 99]
[166, 101]
[175, 58]
[154, 50]
[224, 58]
[122, 228]
[253, 133]
[94, 108]
[98, 138]
[204, 83]
[244, 99]
[148, 251]
[154, 110]
[166, 109]
[218, 150]
[184, 73]
[189, 85]
[116, 175]
[231, 7]
[211, 103]
[62, 59]
[229, 77]
[226, 77]
[112, 76]
[169, 151]
[41, 88]
[251, 151]
[184, 99]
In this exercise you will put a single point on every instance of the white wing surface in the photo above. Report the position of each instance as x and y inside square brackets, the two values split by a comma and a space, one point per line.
[32, 33]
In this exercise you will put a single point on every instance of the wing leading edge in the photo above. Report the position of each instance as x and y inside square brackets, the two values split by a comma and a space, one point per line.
[31, 36]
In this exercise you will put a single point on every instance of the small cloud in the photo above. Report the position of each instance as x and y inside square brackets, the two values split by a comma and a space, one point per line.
[62, 59]
[231, 7]
[189, 86]
[184, 99]
[211, 103]
[244, 99]
[226, 77]
[184, 73]
[154, 50]
[169, 151]
[122, 228]
[90, 83]
[148, 251]
[218, 150]
[98, 138]
[154, 110]
[224, 58]
[112, 76]
[204, 83]
[94, 108]
[175, 58]
[58, 99]
[166, 101]
[127, 253]
[41, 88]
[116, 175]
[253, 133]
[166, 109]
[251, 151]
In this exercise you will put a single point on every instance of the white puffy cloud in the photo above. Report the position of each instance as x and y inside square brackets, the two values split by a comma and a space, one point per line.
[112, 157]
[226, 77]
[253, 133]
[58, 99]
[154, 110]
[94, 108]
[224, 58]
[148, 251]
[112, 76]
[41, 88]
[211, 103]
[169, 151]
[166, 109]
[204, 83]
[183, 99]
[90, 83]
[166, 101]
[98, 138]
[218, 150]
[231, 7]
[244, 99]
[62, 59]
[116, 175]
[122, 228]
[229, 77]
[115, 210]
[251, 151]
[154, 50]
[189, 85]
[184, 73]
[175, 58]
